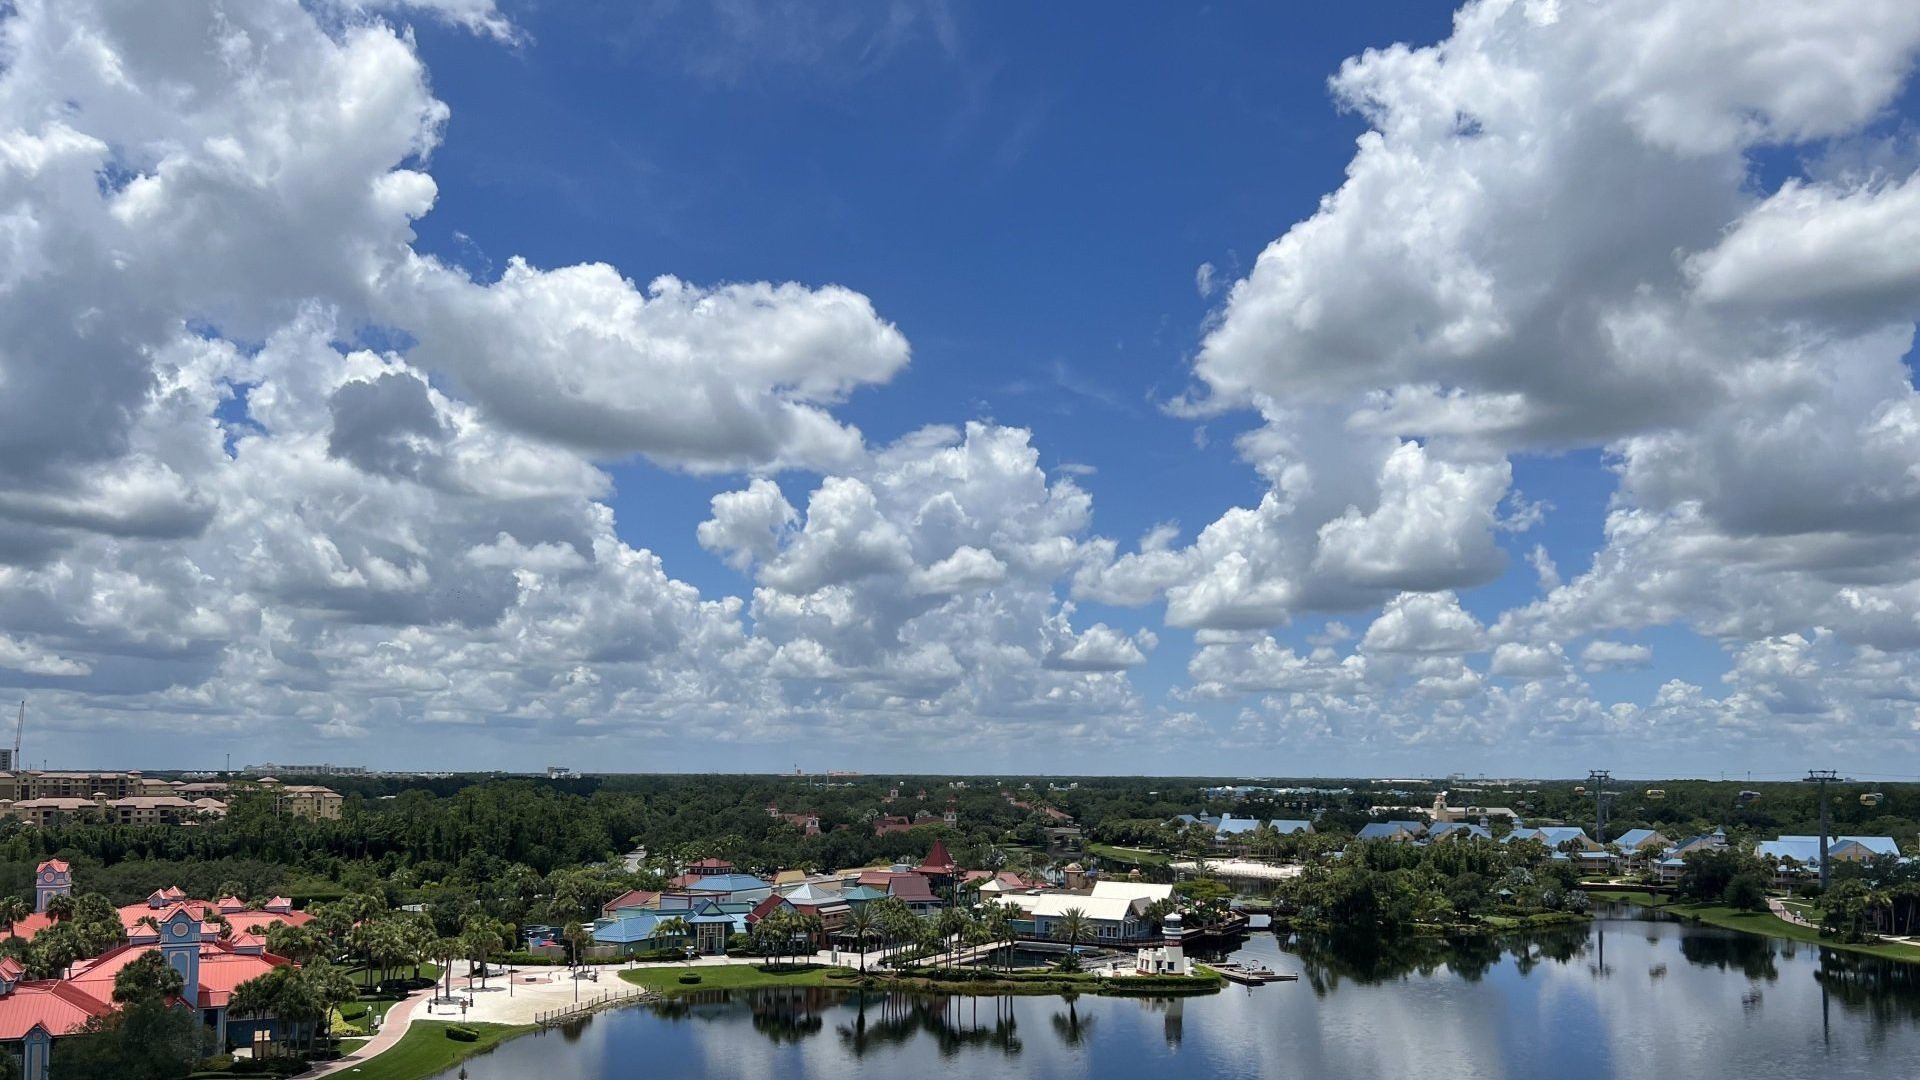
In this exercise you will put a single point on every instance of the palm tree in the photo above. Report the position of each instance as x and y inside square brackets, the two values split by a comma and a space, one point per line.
[301, 944]
[444, 951]
[481, 937]
[1074, 928]
[674, 928]
[1880, 900]
[13, 910]
[253, 998]
[60, 908]
[811, 927]
[573, 933]
[952, 923]
[1000, 921]
[861, 925]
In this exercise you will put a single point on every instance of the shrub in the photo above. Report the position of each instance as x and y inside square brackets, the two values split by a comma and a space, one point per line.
[460, 1033]
[352, 1011]
[689, 978]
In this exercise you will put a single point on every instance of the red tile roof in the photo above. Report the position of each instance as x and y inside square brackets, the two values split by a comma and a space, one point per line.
[59, 1007]
[632, 898]
[912, 888]
[54, 864]
[765, 908]
[32, 925]
[937, 860]
[221, 969]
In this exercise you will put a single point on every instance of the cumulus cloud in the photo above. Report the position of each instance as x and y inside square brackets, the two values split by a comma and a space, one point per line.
[1423, 623]
[214, 505]
[711, 379]
[1516, 660]
[1551, 238]
[1614, 655]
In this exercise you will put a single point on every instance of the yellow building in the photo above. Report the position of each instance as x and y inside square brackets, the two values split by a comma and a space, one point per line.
[308, 800]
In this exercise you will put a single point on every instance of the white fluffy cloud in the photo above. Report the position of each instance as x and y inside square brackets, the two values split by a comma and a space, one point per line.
[708, 379]
[1427, 624]
[929, 571]
[1551, 238]
[1614, 655]
[211, 507]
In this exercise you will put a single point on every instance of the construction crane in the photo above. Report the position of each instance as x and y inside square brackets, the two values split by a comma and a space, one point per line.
[19, 726]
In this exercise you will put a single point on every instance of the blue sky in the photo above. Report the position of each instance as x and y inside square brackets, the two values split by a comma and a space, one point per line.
[1566, 420]
[1029, 193]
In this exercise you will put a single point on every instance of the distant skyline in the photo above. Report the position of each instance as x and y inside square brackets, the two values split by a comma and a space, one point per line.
[473, 384]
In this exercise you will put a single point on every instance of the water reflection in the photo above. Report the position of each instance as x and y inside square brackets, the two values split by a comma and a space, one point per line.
[1729, 950]
[1885, 994]
[1326, 962]
[1568, 1003]
[951, 1024]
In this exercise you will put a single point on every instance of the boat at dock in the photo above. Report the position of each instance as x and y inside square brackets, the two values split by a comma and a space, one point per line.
[1251, 976]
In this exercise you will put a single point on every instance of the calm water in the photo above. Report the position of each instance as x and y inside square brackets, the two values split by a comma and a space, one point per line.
[1622, 998]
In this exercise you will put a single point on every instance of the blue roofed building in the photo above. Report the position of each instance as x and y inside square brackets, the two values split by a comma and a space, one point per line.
[632, 931]
[730, 888]
[1554, 836]
[1641, 840]
[1402, 831]
[1674, 859]
[1457, 830]
[1797, 857]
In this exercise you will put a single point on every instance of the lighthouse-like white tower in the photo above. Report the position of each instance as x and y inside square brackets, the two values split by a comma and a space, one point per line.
[1170, 956]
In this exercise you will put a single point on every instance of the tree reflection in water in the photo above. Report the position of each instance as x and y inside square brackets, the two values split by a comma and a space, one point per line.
[1886, 992]
[1328, 960]
[1730, 950]
[1070, 1025]
[789, 1014]
[954, 1023]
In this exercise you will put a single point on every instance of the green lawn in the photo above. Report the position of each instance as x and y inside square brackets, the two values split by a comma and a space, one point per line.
[1763, 922]
[666, 977]
[1129, 854]
[426, 1051]
[364, 1024]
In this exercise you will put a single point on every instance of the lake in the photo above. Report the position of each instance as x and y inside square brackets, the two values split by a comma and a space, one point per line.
[1620, 998]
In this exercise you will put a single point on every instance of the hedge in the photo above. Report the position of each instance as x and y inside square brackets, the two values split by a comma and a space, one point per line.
[462, 1034]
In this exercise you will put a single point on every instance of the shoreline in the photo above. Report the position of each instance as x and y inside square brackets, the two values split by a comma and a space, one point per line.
[427, 1039]
[1761, 924]
[954, 982]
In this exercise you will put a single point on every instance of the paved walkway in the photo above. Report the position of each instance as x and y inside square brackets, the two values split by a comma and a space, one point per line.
[1784, 912]
[534, 990]
[399, 1018]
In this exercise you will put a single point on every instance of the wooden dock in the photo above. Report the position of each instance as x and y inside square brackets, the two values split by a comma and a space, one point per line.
[609, 999]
